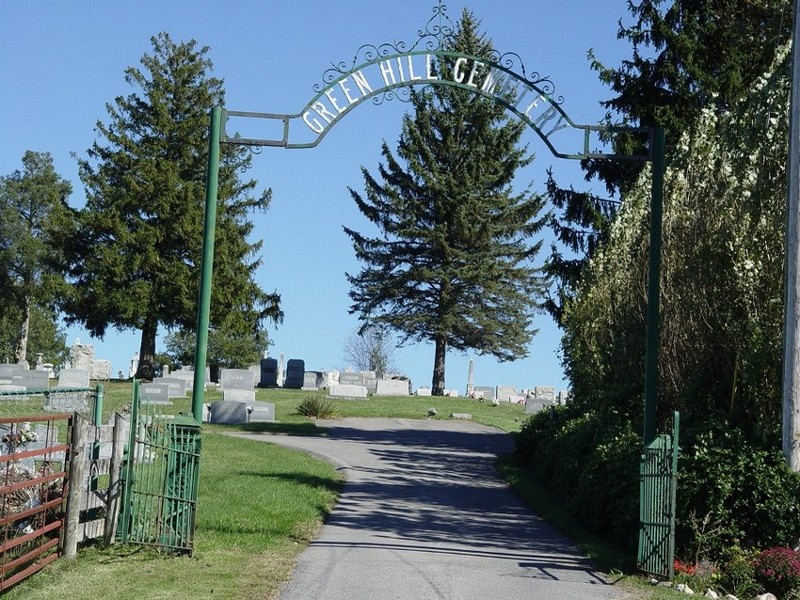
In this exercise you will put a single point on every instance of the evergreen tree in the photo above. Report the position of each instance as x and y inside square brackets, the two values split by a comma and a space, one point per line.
[133, 259]
[453, 264]
[29, 199]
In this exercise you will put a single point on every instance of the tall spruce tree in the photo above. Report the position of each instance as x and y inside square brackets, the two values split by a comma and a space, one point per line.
[133, 256]
[29, 199]
[687, 55]
[454, 262]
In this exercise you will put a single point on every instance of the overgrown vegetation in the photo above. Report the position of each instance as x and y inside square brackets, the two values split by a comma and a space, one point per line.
[720, 354]
[317, 407]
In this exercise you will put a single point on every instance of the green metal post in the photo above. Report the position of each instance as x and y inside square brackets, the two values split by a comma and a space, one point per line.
[209, 231]
[98, 405]
[654, 287]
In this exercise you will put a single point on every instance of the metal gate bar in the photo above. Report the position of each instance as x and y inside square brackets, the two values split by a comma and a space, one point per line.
[657, 488]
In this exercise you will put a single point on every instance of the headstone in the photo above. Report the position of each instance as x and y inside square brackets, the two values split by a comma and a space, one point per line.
[175, 385]
[134, 366]
[154, 393]
[165, 370]
[187, 375]
[295, 372]
[532, 405]
[228, 413]
[73, 378]
[424, 391]
[206, 413]
[343, 390]
[261, 412]
[351, 378]
[470, 381]
[563, 396]
[391, 387]
[269, 372]
[505, 392]
[32, 380]
[81, 356]
[246, 396]
[9, 387]
[6, 371]
[488, 392]
[370, 382]
[329, 378]
[546, 393]
[237, 379]
[67, 402]
[312, 380]
[101, 370]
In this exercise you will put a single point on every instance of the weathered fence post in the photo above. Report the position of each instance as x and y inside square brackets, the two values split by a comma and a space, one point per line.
[121, 433]
[77, 470]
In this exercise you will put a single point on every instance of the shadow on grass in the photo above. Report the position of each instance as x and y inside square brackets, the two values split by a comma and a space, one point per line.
[607, 558]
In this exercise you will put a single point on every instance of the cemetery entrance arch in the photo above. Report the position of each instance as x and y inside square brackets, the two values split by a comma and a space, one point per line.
[379, 73]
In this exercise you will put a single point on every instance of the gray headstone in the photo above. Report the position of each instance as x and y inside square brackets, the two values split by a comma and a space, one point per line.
[237, 379]
[269, 372]
[229, 413]
[545, 393]
[261, 412]
[81, 356]
[73, 378]
[488, 391]
[424, 391]
[505, 392]
[312, 380]
[344, 390]
[246, 396]
[295, 373]
[391, 387]
[176, 385]
[101, 370]
[6, 371]
[533, 406]
[67, 402]
[351, 378]
[32, 380]
[154, 393]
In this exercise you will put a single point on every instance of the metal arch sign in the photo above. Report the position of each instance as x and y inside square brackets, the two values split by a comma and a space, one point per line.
[388, 71]
[386, 77]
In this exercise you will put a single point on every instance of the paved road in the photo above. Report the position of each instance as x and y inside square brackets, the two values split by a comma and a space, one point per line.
[424, 516]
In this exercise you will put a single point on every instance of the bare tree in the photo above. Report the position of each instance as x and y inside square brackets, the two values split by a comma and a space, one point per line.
[370, 350]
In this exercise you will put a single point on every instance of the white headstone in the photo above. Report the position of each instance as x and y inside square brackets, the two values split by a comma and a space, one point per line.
[343, 390]
[392, 387]
[73, 378]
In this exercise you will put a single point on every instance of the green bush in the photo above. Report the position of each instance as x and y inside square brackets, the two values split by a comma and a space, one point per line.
[732, 493]
[590, 461]
[316, 407]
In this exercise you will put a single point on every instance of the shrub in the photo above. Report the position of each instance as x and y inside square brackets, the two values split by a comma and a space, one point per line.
[732, 493]
[779, 570]
[316, 407]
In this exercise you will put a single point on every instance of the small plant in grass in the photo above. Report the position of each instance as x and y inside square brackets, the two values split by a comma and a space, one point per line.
[316, 407]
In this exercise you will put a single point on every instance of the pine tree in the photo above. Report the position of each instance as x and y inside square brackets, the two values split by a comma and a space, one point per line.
[133, 258]
[28, 200]
[453, 264]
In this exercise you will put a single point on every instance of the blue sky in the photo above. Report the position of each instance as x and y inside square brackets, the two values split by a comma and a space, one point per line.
[62, 61]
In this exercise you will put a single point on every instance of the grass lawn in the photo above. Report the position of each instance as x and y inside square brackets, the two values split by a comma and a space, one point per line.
[260, 504]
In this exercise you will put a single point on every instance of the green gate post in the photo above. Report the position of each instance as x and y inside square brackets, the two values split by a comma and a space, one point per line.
[654, 288]
[209, 231]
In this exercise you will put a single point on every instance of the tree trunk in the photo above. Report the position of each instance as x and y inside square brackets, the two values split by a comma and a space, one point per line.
[438, 366]
[21, 352]
[147, 349]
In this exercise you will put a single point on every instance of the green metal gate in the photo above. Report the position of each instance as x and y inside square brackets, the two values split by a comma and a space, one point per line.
[161, 478]
[657, 486]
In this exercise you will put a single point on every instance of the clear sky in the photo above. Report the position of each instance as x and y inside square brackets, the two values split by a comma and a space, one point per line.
[62, 61]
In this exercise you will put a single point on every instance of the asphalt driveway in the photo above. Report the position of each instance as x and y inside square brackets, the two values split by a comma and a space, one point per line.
[424, 515]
